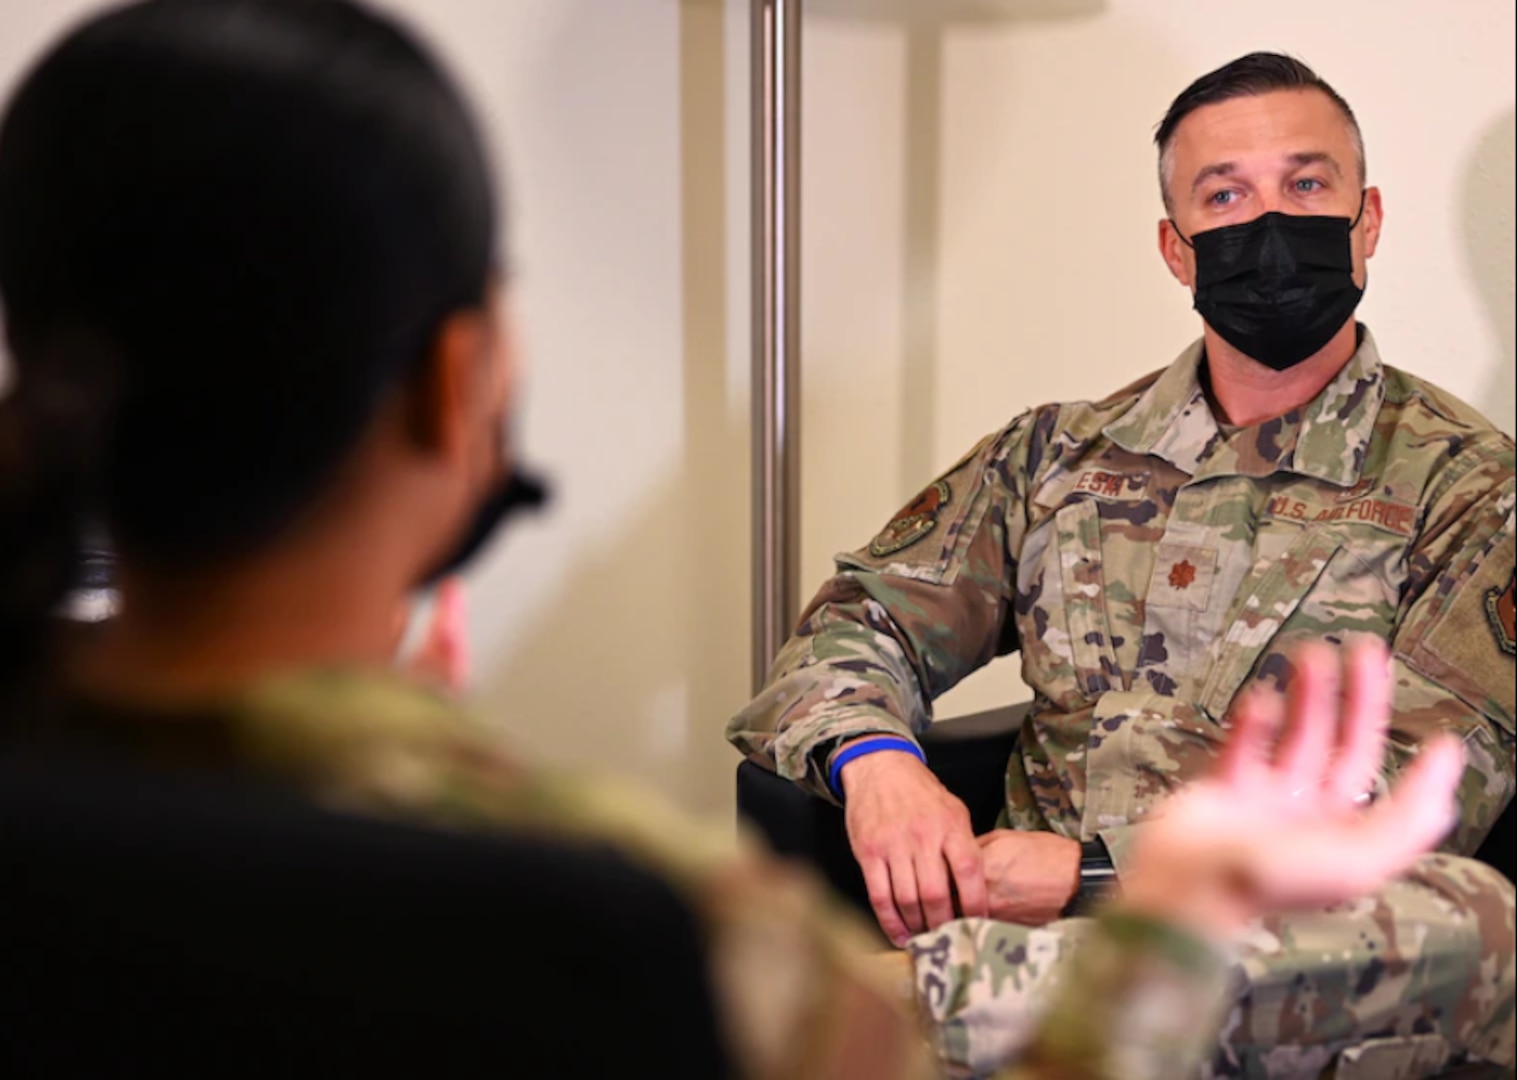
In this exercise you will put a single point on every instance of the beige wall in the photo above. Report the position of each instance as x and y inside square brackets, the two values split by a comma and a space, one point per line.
[980, 215]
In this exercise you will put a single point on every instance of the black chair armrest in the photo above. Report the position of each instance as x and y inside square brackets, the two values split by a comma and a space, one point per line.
[968, 754]
[1500, 847]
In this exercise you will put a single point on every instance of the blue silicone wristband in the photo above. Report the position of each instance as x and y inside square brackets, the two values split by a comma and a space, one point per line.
[869, 745]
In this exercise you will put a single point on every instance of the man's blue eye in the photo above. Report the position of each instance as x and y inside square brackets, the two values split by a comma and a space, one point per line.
[1221, 198]
[1308, 185]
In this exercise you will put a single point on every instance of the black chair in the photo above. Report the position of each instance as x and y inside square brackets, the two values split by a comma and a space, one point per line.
[165, 927]
[1500, 846]
[969, 755]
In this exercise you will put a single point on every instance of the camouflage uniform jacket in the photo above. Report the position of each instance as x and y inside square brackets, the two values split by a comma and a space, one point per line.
[1149, 563]
[802, 987]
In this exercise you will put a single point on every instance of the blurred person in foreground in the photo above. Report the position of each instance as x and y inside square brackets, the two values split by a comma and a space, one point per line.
[1153, 553]
[249, 265]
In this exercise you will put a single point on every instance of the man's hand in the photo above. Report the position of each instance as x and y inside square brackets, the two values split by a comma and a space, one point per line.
[1281, 821]
[913, 841]
[1029, 876]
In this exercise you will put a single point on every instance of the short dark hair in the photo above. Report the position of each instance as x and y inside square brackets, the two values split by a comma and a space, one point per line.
[1248, 76]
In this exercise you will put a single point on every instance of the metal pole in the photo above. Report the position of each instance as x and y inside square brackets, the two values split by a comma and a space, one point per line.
[776, 195]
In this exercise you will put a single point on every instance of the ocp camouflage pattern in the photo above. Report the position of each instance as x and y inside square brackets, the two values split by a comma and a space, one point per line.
[1149, 563]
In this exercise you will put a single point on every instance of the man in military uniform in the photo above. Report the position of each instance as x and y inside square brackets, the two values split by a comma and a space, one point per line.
[1153, 554]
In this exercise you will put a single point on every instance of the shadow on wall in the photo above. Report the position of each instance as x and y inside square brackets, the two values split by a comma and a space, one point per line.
[676, 571]
[1490, 235]
[926, 24]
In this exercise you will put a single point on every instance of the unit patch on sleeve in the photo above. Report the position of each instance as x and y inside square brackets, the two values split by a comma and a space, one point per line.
[1501, 610]
[913, 521]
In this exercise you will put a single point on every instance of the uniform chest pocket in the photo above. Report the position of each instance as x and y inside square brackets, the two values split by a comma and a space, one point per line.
[1082, 576]
[1267, 598]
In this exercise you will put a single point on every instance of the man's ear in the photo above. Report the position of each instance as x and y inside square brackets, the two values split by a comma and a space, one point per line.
[441, 395]
[1175, 253]
[1374, 217]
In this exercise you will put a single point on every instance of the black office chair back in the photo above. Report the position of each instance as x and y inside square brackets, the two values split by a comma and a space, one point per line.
[167, 928]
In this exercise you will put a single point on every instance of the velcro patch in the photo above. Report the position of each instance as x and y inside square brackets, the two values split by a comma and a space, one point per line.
[913, 521]
[1501, 612]
[1182, 577]
[1469, 648]
[1389, 514]
[1124, 487]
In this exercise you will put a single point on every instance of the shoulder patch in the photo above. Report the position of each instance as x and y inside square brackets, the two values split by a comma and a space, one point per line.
[1470, 644]
[1501, 612]
[913, 521]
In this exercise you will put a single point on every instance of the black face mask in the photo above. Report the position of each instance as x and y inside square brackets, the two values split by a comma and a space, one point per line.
[517, 492]
[520, 491]
[1279, 287]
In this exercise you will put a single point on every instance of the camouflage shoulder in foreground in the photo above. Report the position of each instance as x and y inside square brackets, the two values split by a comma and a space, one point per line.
[793, 990]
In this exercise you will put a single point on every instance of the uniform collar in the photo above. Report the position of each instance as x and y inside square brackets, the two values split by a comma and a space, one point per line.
[1327, 438]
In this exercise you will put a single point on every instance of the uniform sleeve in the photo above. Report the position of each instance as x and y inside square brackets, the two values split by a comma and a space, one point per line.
[1453, 646]
[1138, 1000]
[905, 618]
